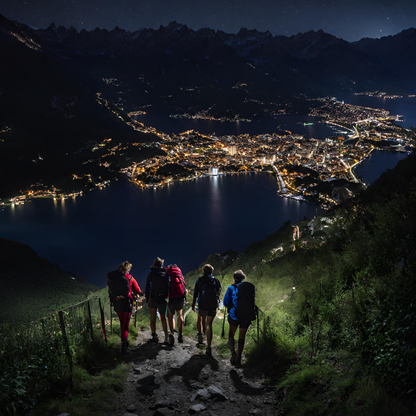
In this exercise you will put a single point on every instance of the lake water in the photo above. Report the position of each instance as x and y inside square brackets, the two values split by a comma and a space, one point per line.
[265, 125]
[294, 123]
[377, 163]
[183, 223]
[405, 107]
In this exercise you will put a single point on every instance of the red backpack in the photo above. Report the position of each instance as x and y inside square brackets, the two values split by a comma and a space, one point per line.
[177, 283]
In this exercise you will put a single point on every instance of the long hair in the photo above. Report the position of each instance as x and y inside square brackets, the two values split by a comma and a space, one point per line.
[125, 267]
[158, 263]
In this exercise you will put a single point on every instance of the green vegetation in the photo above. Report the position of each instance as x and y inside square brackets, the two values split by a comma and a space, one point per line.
[33, 288]
[341, 336]
[48, 372]
[336, 333]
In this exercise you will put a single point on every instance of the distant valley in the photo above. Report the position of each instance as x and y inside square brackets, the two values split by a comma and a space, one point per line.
[64, 92]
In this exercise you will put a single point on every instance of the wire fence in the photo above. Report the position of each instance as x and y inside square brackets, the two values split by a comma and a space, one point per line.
[257, 330]
[60, 334]
[34, 357]
[63, 332]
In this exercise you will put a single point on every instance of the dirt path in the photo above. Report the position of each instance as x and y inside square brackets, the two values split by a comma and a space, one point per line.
[180, 379]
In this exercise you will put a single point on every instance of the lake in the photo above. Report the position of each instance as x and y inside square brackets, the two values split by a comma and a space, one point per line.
[405, 106]
[377, 163]
[272, 124]
[183, 223]
[265, 125]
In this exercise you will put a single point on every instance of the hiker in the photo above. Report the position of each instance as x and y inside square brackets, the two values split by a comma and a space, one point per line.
[207, 293]
[177, 299]
[122, 288]
[239, 300]
[156, 293]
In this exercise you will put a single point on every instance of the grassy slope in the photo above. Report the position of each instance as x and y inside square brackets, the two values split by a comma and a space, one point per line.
[349, 277]
[32, 288]
[342, 341]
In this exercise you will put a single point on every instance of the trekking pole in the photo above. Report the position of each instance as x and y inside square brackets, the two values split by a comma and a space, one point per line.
[223, 324]
[258, 325]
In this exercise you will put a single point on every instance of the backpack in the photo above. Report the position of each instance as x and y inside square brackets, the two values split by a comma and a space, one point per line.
[177, 288]
[208, 296]
[118, 285]
[245, 310]
[159, 284]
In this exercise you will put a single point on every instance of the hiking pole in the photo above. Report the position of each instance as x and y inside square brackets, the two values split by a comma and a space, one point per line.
[223, 324]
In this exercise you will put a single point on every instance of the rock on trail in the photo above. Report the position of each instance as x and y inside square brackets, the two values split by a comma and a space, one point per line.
[169, 380]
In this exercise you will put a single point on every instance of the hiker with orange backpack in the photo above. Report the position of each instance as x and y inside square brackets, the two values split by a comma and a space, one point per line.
[177, 298]
[122, 288]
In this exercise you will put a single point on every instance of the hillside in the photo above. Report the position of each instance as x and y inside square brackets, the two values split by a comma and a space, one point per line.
[340, 299]
[337, 321]
[33, 288]
[65, 95]
[51, 120]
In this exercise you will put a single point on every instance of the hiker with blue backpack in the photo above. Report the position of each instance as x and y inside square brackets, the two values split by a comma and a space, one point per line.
[122, 288]
[207, 294]
[177, 299]
[239, 299]
[156, 292]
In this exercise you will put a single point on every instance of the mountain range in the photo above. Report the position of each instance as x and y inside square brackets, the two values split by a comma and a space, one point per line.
[62, 91]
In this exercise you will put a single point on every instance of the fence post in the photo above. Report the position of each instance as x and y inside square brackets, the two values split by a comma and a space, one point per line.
[68, 351]
[62, 324]
[258, 327]
[102, 320]
[89, 316]
[111, 320]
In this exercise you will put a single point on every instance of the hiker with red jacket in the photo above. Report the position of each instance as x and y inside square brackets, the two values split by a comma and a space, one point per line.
[239, 299]
[207, 294]
[122, 288]
[177, 299]
[156, 292]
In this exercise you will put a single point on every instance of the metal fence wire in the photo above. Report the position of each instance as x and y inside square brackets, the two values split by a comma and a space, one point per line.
[258, 329]
[46, 349]
[78, 323]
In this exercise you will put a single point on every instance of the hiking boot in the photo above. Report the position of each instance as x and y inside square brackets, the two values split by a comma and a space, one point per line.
[208, 352]
[180, 339]
[171, 338]
[124, 346]
[200, 339]
[154, 338]
[238, 361]
[166, 339]
[233, 357]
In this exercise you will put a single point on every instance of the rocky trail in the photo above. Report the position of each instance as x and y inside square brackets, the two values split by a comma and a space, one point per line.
[169, 380]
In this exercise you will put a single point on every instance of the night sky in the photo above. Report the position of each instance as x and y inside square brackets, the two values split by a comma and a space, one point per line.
[347, 19]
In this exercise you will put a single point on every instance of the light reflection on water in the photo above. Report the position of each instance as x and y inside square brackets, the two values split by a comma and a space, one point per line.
[183, 223]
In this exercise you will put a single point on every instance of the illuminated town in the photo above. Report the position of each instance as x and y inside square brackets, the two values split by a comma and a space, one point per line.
[300, 165]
